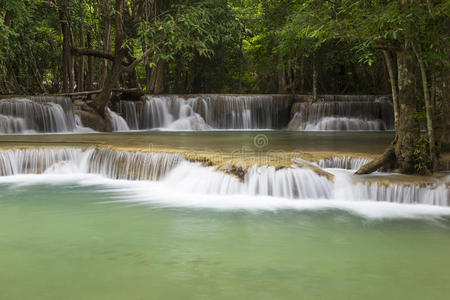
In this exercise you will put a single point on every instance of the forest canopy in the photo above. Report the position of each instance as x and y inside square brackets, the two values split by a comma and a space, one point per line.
[200, 46]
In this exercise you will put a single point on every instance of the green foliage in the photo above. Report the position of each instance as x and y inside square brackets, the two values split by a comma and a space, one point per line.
[423, 161]
[226, 46]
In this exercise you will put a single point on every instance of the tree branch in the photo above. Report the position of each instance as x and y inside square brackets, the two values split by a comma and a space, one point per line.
[133, 65]
[92, 52]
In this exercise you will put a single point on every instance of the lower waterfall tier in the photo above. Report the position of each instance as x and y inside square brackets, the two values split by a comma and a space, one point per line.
[174, 171]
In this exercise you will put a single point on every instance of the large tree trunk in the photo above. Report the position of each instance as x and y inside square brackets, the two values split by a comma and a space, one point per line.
[408, 130]
[401, 154]
[282, 86]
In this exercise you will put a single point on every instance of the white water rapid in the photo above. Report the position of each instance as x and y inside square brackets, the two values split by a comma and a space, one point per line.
[173, 174]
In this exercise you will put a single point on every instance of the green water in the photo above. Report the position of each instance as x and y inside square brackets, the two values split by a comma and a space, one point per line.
[62, 242]
[368, 142]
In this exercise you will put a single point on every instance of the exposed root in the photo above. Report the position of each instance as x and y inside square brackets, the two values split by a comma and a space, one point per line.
[387, 159]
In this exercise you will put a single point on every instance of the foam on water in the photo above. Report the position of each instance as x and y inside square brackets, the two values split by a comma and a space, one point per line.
[170, 180]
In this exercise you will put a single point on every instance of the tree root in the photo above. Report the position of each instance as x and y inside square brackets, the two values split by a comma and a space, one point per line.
[387, 159]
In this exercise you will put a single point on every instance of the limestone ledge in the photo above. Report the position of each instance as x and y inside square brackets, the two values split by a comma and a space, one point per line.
[237, 163]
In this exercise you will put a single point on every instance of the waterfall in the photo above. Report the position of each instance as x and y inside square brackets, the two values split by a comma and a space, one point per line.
[407, 194]
[174, 173]
[130, 111]
[132, 165]
[9, 124]
[172, 112]
[64, 102]
[109, 163]
[79, 126]
[343, 162]
[118, 123]
[242, 112]
[369, 115]
[35, 161]
[40, 114]
[206, 112]
[291, 183]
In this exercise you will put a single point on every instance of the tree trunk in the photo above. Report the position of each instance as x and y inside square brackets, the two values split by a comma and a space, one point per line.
[429, 109]
[80, 81]
[302, 74]
[408, 130]
[148, 82]
[394, 87]
[157, 78]
[281, 76]
[71, 69]
[113, 74]
[37, 74]
[106, 48]
[91, 67]
[241, 56]
[314, 77]
[65, 52]
[401, 154]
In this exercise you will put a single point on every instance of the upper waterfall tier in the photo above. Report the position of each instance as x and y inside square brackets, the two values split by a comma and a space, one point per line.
[205, 112]
[342, 116]
[209, 112]
[36, 114]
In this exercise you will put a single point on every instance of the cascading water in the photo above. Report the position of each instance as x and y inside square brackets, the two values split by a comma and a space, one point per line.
[9, 124]
[407, 194]
[132, 165]
[369, 115]
[38, 114]
[130, 110]
[35, 161]
[64, 102]
[243, 112]
[118, 123]
[172, 170]
[291, 183]
[343, 162]
[205, 112]
[209, 111]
